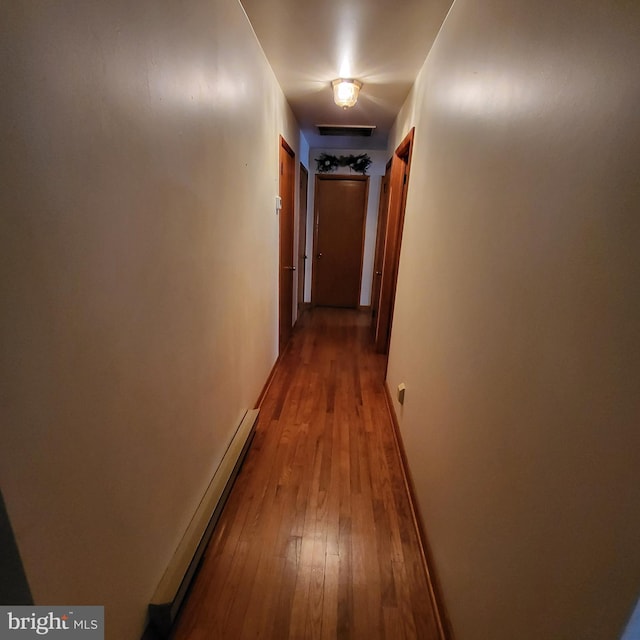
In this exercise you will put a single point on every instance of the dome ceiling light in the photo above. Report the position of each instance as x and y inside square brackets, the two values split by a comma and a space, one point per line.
[345, 92]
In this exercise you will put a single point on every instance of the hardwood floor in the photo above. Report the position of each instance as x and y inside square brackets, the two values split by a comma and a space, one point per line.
[317, 538]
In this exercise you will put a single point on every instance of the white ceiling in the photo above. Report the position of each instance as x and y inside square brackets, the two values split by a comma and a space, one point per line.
[382, 43]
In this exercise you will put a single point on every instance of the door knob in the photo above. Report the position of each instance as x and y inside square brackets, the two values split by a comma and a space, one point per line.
[378, 273]
[319, 255]
[290, 268]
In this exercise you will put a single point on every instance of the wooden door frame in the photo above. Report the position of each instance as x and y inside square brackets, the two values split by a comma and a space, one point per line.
[302, 236]
[398, 185]
[285, 275]
[378, 255]
[344, 176]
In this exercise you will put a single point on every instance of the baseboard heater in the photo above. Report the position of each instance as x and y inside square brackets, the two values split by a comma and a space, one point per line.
[168, 597]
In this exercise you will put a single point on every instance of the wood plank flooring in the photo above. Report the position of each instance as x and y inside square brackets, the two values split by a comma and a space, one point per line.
[317, 538]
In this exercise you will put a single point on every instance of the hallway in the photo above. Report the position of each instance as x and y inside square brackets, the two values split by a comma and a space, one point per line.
[317, 539]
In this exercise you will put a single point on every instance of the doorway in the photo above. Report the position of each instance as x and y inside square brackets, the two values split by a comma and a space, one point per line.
[286, 263]
[339, 217]
[302, 237]
[378, 256]
[398, 185]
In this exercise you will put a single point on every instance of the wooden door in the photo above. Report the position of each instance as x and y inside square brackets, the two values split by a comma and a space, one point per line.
[378, 256]
[286, 263]
[302, 236]
[340, 214]
[398, 185]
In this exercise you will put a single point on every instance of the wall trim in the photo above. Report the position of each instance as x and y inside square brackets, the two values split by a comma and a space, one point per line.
[276, 364]
[270, 377]
[161, 619]
[435, 590]
[184, 564]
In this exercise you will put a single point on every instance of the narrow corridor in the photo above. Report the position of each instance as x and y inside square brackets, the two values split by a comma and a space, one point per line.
[317, 539]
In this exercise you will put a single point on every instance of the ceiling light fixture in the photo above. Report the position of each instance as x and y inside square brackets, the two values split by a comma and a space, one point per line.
[345, 92]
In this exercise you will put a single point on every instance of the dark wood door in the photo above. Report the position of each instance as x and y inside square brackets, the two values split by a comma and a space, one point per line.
[340, 213]
[302, 236]
[286, 263]
[378, 256]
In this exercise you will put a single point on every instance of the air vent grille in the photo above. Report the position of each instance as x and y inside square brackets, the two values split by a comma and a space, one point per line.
[362, 131]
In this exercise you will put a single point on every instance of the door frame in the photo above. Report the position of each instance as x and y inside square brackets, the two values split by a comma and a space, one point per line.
[344, 176]
[378, 254]
[302, 235]
[286, 222]
[398, 186]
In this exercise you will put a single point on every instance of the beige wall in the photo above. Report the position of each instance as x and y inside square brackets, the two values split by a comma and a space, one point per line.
[139, 279]
[517, 315]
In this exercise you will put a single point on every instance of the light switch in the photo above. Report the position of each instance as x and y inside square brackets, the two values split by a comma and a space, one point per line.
[278, 203]
[401, 390]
